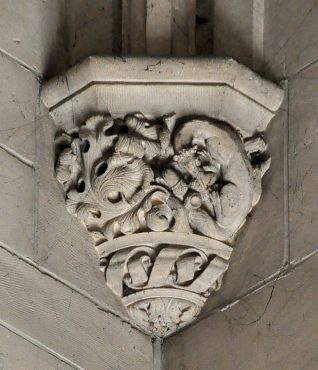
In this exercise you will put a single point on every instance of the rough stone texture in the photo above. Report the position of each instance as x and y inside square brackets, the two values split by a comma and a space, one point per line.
[290, 36]
[158, 34]
[303, 167]
[38, 35]
[19, 96]
[18, 353]
[89, 28]
[17, 207]
[204, 27]
[183, 27]
[67, 322]
[276, 328]
[233, 30]
[33, 33]
[134, 27]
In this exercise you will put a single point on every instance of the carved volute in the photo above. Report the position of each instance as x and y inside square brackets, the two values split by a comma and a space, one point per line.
[163, 196]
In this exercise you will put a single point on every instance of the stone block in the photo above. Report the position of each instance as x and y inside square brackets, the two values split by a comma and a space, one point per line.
[19, 353]
[17, 204]
[232, 33]
[65, 321]
[183, 27]
[275, 328]
[133, 27]
[290, 36]
[19, 96]
[303, 165]
[89, 28]
[158, 27]
[204, 27]
[33, 32]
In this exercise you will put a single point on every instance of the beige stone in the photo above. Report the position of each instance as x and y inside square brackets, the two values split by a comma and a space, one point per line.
[275, 328]
[88, 25]
[259, 250]
[303, 167]
[33, 32]
[162, 196]
[215, 81]
[40, 38]
[290, 41]
[65, 321]
[158, 34]
[17, 220]
[19, 353]
[64, 247]
[19, 96]
[232, 36]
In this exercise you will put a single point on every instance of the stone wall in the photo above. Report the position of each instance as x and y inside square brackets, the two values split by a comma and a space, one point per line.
[55, 310]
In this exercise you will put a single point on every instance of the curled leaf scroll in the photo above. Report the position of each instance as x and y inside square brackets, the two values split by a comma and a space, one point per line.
[124, 176]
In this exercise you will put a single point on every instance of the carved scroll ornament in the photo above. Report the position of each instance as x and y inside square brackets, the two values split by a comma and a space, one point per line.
[163, 200]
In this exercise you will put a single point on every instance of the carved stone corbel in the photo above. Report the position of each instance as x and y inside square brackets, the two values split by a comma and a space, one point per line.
[162, 165]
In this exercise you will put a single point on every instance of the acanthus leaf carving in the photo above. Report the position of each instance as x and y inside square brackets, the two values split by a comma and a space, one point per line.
[118, 184]
[183, 189]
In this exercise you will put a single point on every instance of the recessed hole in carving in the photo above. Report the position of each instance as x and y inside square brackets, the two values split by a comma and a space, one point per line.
[172, 222]
[123, 129]
[102, 169]
[188, 267]
[257, 158]
[119, 127]
[86, 146]
[81, 186]
[126, 290]
[96, 213]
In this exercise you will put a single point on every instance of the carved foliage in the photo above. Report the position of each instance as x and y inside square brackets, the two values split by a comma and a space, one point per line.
[132, 175]
[137, 176]
[161, 316]
[163, 286]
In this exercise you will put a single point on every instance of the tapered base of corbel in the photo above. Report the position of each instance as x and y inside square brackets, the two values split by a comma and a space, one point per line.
[163, 278]
[163, 311]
